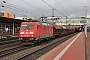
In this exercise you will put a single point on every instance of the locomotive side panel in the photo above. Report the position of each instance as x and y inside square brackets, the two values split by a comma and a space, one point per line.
[45, 31]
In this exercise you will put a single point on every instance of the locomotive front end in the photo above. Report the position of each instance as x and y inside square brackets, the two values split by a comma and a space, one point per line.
[27, 31]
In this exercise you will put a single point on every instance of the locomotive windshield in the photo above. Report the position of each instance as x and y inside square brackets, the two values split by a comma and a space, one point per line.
[27, 26]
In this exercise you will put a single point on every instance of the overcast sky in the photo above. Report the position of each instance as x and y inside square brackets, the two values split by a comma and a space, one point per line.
[37, 8]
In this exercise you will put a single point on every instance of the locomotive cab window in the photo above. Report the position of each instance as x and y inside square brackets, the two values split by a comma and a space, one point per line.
[27, 26]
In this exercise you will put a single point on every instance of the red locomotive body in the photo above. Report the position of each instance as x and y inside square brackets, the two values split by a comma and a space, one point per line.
[35, 31]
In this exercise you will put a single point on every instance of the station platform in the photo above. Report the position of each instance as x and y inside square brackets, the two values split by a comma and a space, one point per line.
[87, 40]
[72, 49]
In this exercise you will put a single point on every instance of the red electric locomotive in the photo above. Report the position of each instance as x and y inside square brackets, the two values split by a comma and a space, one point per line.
[35, 31]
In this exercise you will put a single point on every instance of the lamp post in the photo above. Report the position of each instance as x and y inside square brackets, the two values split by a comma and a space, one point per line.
[85, 28]
[66, 20]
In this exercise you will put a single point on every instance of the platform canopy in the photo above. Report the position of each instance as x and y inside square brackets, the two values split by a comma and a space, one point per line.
[10, 20]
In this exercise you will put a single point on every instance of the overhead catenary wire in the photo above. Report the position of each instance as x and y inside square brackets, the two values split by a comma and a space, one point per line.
[16, 8]
[53, 8]
[24, 9]
[65, 10]
[32, 6]
[20, 10]
[11, 10]
[28, 12]
[61, 6]
[40, 9]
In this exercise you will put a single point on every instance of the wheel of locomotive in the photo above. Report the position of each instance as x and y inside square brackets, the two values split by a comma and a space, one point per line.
[48, 39]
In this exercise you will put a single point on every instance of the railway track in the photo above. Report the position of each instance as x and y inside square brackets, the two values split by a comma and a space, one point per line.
[21, 53]
[8, 42]
[8, 38]
[9, 51]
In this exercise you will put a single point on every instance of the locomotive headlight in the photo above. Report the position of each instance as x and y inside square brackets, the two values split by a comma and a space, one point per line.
[21, 32]
[31, 32]
[32, 35]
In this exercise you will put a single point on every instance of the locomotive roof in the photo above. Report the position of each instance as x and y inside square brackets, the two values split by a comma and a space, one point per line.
[38, 23]
[30, 23]
[34, 21]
